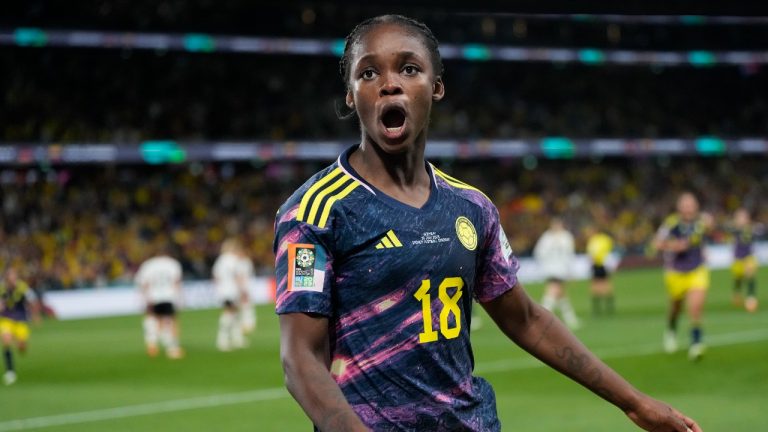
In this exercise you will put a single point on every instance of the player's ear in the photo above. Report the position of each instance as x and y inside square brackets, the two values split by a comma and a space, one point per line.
[349, 100]
[438, 89]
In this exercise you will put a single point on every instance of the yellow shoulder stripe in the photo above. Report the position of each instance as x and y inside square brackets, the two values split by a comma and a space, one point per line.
[327, 209]
[309, 194]
[315, 206]
[457, 183]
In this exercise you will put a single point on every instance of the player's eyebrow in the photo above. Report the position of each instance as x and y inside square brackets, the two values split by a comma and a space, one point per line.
[401, 55]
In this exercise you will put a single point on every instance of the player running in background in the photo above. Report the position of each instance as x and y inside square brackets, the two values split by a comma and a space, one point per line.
[681, 239]
[744, 263]
[380, 255]
[159, 281]
[599, 246]
[15, 300]
[554, 253]
[232, 272]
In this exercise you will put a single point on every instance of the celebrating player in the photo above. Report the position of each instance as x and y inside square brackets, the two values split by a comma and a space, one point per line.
[554, 252]
[378, 259]
[15, 299]
[232, 272]
[159, 280]
[681, 239]
[599, 246]
[744, 263]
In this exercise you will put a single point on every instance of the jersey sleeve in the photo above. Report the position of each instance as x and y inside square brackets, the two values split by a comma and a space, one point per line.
[498, 265]
[665, 230]
[303, 267]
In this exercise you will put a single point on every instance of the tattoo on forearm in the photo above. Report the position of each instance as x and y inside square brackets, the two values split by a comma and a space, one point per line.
[581, 369]
[544, 332]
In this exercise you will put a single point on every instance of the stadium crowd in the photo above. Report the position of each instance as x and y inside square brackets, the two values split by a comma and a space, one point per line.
[130, 96]
[92, 226]
[78, 226]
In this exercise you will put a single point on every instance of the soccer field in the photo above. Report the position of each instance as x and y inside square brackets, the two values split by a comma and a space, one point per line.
[93, 375]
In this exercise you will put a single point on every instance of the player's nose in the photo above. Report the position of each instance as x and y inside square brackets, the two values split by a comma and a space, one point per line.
[390, 87]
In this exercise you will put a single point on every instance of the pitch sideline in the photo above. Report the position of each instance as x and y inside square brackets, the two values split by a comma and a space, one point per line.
[279, 392]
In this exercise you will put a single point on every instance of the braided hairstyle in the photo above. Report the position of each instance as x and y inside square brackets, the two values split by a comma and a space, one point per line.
[417, 27]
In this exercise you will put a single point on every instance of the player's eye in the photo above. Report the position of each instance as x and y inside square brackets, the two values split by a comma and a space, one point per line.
[410, 70]
[368, 74]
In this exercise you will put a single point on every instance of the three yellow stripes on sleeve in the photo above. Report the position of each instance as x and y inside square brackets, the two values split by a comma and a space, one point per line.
[316, 204]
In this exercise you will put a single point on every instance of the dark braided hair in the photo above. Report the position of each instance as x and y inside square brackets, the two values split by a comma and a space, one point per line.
[418, 27]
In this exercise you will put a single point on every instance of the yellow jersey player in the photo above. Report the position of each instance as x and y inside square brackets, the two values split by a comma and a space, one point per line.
[744, 263]
[681, 239]
[599, 246]
[15, 297]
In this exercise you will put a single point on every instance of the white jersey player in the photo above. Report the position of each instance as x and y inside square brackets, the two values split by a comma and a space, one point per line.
[554, 253]
[159, 281]
[232, 273]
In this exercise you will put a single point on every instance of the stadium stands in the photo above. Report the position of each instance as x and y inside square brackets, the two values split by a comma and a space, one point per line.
[91, 226]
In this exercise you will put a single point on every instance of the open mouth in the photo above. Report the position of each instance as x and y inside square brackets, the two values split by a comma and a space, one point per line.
[393, 120]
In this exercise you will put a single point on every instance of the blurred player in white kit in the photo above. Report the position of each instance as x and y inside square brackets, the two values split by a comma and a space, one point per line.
[554, 252]
[232, 273]
[159, 281]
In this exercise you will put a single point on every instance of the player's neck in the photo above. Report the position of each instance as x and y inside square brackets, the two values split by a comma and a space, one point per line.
[403, 176]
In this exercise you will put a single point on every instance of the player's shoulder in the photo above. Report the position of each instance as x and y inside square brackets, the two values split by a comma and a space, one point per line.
[313, 202]
[461, 189]
[671, 220]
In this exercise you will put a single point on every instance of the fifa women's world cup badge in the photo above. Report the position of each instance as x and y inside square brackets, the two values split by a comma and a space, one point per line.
[305, 258]
[466, 233]
[306, 267]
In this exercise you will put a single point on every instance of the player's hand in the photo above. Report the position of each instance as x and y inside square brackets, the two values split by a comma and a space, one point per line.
[656, 416]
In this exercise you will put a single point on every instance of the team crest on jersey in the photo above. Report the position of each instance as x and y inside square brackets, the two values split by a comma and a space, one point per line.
[306, 267]
[466, 233]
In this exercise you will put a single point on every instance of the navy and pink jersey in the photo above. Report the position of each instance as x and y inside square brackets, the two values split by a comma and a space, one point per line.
[14, 300]
[742, 247]
[694, 232]
[397, 284]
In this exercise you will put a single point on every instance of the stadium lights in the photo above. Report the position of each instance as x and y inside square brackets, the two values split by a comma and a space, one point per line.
[174, 152]
[205, 43]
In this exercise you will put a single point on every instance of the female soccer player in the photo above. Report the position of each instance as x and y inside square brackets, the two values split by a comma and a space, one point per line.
[15, 299]
[744, 262]
[554, 252]
[379, 257]
[686, 275]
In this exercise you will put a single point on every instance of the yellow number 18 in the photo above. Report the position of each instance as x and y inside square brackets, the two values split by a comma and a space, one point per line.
[450, 306]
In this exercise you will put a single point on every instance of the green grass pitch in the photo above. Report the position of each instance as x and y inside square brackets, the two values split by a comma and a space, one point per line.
[93, 375]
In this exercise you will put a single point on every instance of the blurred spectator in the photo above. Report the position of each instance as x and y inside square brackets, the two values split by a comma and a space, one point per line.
[91, 226]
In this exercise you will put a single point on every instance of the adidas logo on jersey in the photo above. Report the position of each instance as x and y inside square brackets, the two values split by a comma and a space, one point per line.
[389, 241]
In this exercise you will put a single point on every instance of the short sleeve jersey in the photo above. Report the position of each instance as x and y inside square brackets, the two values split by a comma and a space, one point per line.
[694, 232]
[599, 246]
[228, 270]
[160, 274]
[742, 247]
[14, 300]
[396, 284]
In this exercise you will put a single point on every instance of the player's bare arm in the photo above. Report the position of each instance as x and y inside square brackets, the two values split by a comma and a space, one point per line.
[305, 355]
[538, 331]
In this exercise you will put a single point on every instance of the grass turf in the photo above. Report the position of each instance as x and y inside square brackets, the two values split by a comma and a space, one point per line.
[93, 375]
